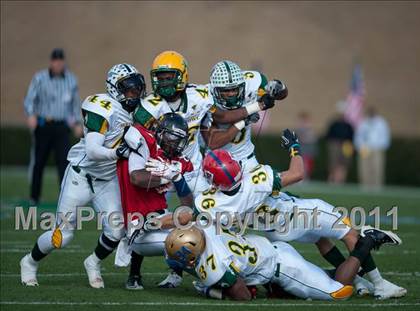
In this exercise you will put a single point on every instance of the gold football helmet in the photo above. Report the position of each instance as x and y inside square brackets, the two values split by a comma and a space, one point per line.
[169, 74]
[184, 246]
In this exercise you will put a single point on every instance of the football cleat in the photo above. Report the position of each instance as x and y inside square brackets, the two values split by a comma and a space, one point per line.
[171, 281]
[363, 286]
[380, 237]
[134, 282]
[200, 288]
[93, 270]
[28, 269]
[387, 290]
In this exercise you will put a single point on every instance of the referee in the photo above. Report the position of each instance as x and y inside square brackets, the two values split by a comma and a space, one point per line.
[52, 106]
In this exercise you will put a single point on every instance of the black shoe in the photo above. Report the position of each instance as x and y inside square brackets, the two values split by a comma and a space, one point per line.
[380, 236]
[134, 282]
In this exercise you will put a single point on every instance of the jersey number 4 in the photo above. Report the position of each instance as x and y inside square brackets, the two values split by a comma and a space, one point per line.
[106, 104]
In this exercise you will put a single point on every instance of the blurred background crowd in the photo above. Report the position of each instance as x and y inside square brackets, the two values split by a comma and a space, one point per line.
[352, 69]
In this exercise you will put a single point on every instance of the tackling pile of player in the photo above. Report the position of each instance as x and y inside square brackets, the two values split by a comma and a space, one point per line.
[136, 147]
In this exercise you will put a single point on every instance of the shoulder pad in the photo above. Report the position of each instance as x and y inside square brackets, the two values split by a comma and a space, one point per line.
[252, 80]
[134, 138]
[155, 105]
[101, 104]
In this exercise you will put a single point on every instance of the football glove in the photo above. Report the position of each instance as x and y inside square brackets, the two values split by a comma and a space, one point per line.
[267, 101]
[276, 89]
[123, 150]
[290, 142]
[164, 169]
[253, 118]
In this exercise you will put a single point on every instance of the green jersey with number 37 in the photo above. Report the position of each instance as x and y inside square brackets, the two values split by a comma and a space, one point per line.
[227, 256]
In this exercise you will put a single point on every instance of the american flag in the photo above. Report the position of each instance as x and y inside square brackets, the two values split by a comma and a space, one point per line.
[353, 111]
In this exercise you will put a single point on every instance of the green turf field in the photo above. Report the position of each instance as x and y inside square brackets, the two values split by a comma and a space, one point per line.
[63, 284]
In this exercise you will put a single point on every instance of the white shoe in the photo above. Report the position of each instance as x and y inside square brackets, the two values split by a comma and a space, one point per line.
[28, 269]
[363, 286]
[388, 290]
[93, 270]
[171, 281]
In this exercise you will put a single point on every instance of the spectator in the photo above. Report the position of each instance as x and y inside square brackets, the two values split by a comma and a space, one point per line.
[308, 141]
[371, 140]
[52, 106]
[340, 149]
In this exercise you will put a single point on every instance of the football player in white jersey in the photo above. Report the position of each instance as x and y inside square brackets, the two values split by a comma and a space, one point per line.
[258, 191]
[226, 264]
[173, 93]
[91, 174]
[233, 89]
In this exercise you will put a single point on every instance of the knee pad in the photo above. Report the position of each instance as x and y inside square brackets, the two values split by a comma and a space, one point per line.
[115, 234]
[151, 243]
[61, 238]
[149, 249]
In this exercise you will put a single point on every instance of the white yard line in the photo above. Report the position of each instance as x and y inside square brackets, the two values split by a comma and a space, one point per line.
[414, 274]
[211, 304]
[14, 275]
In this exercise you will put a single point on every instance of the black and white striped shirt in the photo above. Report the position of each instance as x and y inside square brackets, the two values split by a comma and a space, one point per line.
[54, 97]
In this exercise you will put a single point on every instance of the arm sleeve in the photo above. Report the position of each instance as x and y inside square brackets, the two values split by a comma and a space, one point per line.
[143, 117]
[137, 161]
[264, 81]
[228, 279]
[276, 181]
[95, 149]
[95, 122]
[29, 102]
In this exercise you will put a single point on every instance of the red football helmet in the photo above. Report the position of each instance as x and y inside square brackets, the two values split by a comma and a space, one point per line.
[221, 170]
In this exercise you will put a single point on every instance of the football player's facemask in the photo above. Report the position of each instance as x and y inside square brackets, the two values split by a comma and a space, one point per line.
[165, 82]
[227, 85]
[230, 97]
[222, 171]
[169, 74]
[183, 248]
[133, 89]
[126, 85]
[171, 132]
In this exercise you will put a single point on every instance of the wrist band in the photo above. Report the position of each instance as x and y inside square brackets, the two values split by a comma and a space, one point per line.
[294, 150]
[181, 187]
[240, 125]
[253, 108]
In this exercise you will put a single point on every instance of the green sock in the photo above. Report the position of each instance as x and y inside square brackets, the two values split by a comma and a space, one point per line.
[334, 257]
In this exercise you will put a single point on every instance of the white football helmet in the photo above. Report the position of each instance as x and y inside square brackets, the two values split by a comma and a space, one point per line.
[124, 77]
[227, 76]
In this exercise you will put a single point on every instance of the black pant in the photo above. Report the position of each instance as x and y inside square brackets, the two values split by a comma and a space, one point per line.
[51, 135]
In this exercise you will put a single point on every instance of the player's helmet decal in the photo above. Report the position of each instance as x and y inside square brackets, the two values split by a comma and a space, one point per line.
[122, 79]
[183, 247]
[169, 74]
[227, 85]
[171, 133]
[221, 170]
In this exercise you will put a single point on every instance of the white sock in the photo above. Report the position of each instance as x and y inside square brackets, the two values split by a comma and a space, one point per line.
[95, 258]
[31, 260]
[375, 277]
